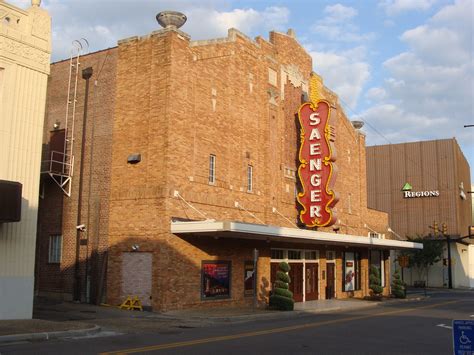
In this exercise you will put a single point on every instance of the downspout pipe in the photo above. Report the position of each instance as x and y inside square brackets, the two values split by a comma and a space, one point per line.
[86, 75]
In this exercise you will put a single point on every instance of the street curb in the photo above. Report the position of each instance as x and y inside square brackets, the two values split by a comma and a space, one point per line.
[287, 315]
[49, 335]
[268, 316]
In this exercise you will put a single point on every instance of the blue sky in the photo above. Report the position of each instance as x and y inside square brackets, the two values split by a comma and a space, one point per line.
[405, 67]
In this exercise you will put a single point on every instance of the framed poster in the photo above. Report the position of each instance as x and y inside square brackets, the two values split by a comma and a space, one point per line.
[215, 279]
[249, 278]
[349, 271]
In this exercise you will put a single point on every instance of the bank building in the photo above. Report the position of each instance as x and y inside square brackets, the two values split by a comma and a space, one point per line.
[184, 171]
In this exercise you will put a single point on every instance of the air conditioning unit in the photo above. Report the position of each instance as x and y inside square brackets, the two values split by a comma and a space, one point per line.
[10, 201]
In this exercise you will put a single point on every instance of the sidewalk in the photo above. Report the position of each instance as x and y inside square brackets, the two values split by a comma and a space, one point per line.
[67, 319]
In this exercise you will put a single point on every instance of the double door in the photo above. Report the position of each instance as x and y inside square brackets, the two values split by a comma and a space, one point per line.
[302, 283]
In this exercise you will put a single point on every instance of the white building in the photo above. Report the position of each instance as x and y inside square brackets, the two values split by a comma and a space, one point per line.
[25, 48]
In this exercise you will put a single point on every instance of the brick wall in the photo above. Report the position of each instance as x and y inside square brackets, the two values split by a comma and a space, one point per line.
[175, 102]
[57, 212]
[180, 101]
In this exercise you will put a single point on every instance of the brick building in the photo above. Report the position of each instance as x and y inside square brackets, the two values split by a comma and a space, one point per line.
[423, 186]
[195, 167]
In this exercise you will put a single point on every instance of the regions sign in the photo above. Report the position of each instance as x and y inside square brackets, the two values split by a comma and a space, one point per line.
[316, 171]
[407, 193]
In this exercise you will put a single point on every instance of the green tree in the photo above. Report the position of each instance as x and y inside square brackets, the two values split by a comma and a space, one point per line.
[423, 259]
[375, 284]
[282, 297]
[398, 286]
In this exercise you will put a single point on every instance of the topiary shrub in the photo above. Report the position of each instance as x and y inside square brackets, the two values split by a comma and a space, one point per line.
[281, 284]
[398, 286]
[374, 281]
[282, 298]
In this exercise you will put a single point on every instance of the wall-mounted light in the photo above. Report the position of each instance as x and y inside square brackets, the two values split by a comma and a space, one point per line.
[56, 125]
[135, 247]
[134, 158]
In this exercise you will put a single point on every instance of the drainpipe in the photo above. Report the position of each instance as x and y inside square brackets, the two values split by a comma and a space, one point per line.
[86, 75]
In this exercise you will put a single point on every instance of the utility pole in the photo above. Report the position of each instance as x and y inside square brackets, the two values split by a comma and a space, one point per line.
[448, 241]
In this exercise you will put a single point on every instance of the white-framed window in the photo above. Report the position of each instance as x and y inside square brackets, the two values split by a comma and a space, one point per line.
[55, 249]
[291, 254]
[249, 178]
[212, 169]
[330, 255]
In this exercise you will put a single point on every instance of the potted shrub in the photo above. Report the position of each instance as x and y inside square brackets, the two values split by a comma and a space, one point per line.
[375, 283]
[398, 286]
[282, 297]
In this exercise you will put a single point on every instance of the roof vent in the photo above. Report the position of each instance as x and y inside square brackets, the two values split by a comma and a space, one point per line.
[171, 19]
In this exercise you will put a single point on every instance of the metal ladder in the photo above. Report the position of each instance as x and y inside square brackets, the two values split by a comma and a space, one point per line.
[60, 165]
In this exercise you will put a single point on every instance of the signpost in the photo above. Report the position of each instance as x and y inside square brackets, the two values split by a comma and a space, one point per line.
[255, 284]
[463, 337]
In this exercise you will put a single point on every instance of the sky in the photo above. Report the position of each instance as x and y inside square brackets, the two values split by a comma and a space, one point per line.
[404, 67]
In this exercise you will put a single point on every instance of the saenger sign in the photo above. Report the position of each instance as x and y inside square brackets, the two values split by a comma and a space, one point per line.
[316, 171]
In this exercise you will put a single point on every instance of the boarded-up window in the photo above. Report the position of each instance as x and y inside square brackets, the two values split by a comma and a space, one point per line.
[136, 276]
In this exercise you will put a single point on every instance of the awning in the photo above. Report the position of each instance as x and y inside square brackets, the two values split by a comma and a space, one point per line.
[240, 230]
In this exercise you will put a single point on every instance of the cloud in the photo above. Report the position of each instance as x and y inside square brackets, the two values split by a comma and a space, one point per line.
[249, 21]
[340, 55]
[431, 42]
[376, 94]
[343, 74]
[400, 125]
[103, 23]
[395, 7]
[429, 92]
[337, 25]
[339, 13]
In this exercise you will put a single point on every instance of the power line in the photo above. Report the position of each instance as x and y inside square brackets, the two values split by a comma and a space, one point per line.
[392, 144]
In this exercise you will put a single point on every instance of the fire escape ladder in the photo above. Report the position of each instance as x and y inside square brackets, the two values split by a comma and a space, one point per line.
[60, 163]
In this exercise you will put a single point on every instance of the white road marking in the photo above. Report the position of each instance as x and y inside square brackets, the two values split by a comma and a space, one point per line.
[444, 326]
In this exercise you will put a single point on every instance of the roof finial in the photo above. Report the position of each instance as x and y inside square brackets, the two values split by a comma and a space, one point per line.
[36, 3]
[171, 19]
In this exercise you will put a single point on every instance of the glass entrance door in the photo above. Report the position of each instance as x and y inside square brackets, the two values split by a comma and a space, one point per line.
[311, 285]
[296, 283]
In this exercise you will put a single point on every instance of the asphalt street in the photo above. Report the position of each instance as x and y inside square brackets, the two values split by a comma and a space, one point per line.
[408, 327]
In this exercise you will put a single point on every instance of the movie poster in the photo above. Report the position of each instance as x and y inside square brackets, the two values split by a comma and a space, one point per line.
[349, 271]
[249, 278]
[216, 279]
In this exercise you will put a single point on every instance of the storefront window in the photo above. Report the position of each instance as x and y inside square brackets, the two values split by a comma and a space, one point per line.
[311, 255]
[294, 254]
[277, 254]
[215, 279]
[352, 274]
[249, 278]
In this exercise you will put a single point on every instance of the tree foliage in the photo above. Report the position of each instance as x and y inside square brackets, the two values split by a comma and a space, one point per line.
[423, 259]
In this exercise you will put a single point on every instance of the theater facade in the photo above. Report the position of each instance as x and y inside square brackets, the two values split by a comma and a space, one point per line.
[206, 163]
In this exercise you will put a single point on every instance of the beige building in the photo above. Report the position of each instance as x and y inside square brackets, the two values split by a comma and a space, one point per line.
[25, 47]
